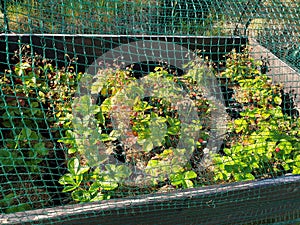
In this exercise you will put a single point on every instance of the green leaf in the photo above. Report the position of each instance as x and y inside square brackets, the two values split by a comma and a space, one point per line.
[286, 146]
[98, 197]
[241, 125]
[100, 118]
[158, 129]
[7, 200]
[115, 173]
[25, 134]
[95, 174]
[83, 106]
[277, 100]
[73, 165]
[40, 148]
[249, 176]
[236, 149]
[227, 151]
[34, 104]
[4, 153]
[221, 176]
[140, 106]
[190, 175]
[297, 161]
[296, 170]
[72, 150]
[153, 163]
[277, 112]
[83, 170]
[106, 137]
[173, 130]
[79, 179]
[166, 153]
[123, 171]
[176, 179]
[111, 168]
[286, 167]
[230, 168]
[67, 179]
[265, 115]
[34, 136]
[42, 94]
[238, 177]
[18, 208]
[69, 188]
[188, 184]
[108, 184]
[95, 187]
[255, 165]
[98, 84]
[106, 105]
[81, 195]
[148, 145]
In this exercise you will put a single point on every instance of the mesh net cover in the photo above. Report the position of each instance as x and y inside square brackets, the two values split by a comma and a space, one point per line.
[149, 112]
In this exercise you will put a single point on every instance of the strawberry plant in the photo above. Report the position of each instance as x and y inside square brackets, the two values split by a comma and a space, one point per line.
[34, 94]
[149, 133]
[264, 141]
[137, 124]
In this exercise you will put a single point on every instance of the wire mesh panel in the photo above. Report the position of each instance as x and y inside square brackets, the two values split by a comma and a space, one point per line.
[169, 112]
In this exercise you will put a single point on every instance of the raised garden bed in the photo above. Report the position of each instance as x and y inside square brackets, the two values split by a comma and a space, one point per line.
[86, 48]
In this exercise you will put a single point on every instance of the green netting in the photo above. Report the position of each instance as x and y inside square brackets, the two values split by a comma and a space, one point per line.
[169, 112]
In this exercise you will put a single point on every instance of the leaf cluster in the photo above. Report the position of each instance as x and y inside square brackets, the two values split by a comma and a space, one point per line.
[264, 141]
[34, 95]
[139, 126]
